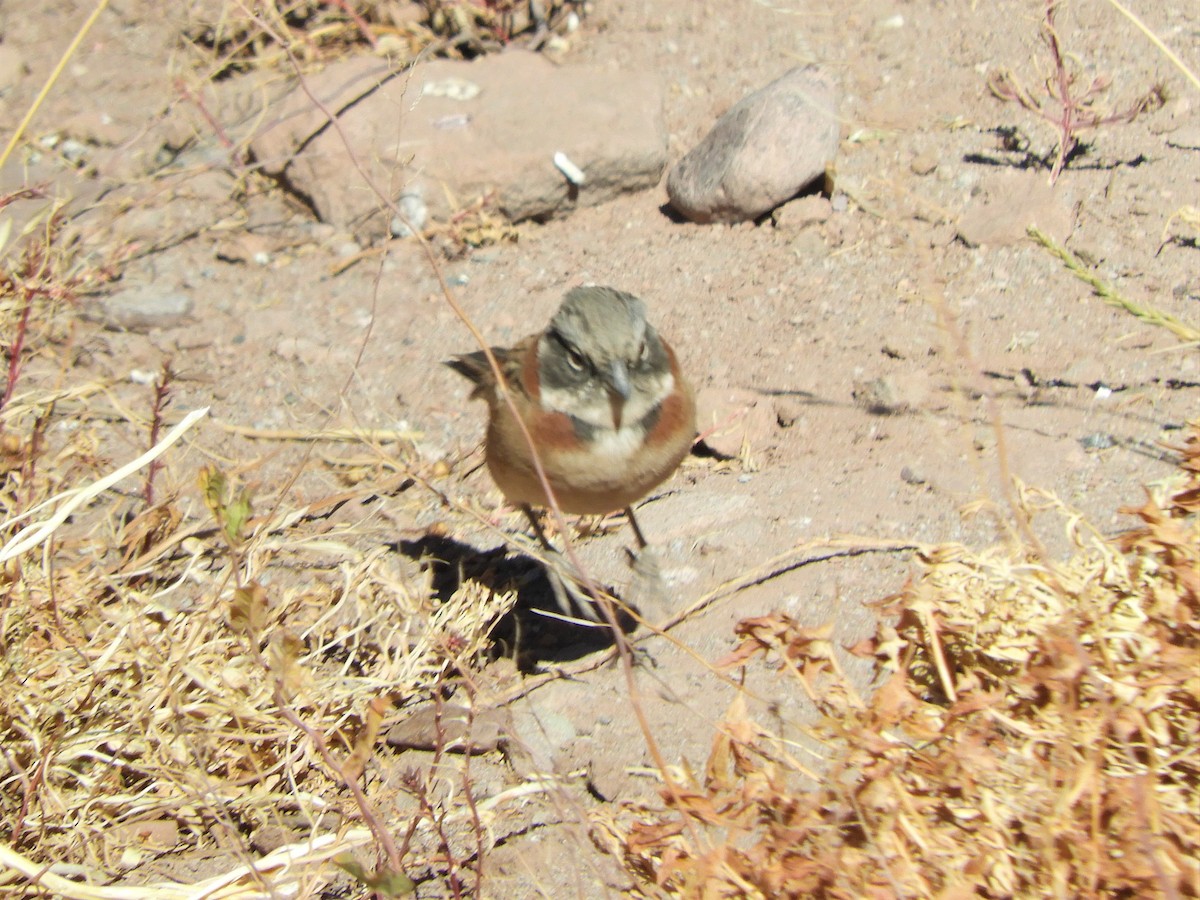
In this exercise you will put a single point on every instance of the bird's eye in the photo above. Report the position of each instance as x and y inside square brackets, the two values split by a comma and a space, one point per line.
[575, 360]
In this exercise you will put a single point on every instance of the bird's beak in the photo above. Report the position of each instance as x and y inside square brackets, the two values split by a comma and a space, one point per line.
[619, 390]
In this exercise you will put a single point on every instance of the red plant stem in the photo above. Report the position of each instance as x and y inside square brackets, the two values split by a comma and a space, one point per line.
[1066, 124]
[218, 129]
[161, 390]
[18, 344]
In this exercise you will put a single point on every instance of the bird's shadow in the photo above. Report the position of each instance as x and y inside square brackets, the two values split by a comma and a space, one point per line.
[525, 633]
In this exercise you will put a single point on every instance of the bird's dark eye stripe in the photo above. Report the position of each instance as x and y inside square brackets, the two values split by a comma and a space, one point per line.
[574, 357]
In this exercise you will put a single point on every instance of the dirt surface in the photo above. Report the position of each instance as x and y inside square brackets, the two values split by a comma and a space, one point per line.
[872, 353]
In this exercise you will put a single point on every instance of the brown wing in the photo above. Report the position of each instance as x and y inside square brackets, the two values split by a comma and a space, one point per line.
[514, 361]
[474, 367]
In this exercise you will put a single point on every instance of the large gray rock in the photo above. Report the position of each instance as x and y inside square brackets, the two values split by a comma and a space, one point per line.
[463, 129]
[762, 152]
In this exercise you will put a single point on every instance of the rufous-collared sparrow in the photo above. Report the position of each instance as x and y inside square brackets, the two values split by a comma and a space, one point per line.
[604, 402]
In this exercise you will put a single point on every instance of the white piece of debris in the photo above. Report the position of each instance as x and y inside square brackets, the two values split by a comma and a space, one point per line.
[570, 171]
[453, 88]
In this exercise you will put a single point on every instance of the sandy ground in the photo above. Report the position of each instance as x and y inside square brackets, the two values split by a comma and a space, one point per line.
[876, 349]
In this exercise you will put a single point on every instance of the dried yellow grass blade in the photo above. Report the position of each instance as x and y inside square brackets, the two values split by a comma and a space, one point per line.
[32, 535]
[1110, 294]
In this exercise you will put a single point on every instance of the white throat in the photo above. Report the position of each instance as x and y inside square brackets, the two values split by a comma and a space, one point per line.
[592, 406]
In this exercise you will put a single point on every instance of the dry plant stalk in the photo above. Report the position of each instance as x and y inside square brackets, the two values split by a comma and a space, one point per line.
[1067, 765]
[1109, 294]
[1068, 108]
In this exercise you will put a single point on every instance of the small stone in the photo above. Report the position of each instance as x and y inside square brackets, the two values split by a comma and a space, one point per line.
[911, 476]
[414, 214]
[1098, 441]
[879, 397]
[762, 152]
[802, 213]
[787, 412]
[924, 164]
[451, 728]
[143, 309]
[730, 418]
[73, 151]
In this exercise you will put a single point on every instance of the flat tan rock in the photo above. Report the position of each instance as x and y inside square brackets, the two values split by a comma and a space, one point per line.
[460, 130]
[1009, 204]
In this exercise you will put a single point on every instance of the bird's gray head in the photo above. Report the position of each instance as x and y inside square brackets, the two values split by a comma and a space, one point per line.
[601, 360]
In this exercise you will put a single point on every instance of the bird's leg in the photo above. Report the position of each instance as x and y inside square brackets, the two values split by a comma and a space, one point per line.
[537, 528]
[559, 572]
[637, 532]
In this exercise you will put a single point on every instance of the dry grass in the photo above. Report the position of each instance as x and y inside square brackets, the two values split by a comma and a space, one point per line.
[1037, 735]
[185, 669]
[143, 695]
[226, 38]
[169, 677]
